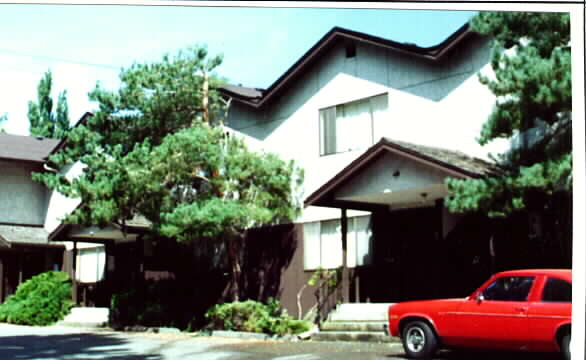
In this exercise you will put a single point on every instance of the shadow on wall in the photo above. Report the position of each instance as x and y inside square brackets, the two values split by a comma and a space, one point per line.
[268, 253]
[480, 246]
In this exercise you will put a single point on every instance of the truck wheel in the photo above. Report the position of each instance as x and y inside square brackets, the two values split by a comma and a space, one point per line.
[419, 340]
[565, 346]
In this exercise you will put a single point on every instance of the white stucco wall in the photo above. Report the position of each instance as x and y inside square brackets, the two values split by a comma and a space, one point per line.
[59, 205]
[442, 105]
[22, 200]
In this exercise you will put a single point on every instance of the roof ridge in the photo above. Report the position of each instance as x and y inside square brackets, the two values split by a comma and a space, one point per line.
[433, 53]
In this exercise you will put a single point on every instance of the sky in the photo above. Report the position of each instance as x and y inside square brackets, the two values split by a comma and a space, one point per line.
[86, 44]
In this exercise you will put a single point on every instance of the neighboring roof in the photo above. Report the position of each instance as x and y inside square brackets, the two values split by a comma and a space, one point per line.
[456, 163]
[257, 97]
[82, 120]
[137, 224]
[26, 148]
[23, 235]
[251, 94]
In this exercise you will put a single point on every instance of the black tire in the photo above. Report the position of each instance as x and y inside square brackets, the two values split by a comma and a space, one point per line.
[419, 340]
[565, 346]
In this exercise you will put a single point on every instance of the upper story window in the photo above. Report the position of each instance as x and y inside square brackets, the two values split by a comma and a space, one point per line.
[350, 126]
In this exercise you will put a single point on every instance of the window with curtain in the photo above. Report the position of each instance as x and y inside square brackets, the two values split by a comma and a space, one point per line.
[323, 243]
[350, 126]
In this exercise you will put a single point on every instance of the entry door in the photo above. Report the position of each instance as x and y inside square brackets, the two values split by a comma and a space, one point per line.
[406, 255]
[415, 230]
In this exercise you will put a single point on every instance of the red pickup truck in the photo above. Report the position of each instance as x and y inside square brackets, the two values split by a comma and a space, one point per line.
[527, 310]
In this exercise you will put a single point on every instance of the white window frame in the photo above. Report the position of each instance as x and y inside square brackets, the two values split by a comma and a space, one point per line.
[324, 250]
[337, 119]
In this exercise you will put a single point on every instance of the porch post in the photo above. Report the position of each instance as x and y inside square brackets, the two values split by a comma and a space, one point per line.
[20, 267]
[438, 246]
[1, 280]
[345, 274]
[73, 275]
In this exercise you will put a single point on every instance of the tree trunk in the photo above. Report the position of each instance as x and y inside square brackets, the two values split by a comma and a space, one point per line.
[234, 254]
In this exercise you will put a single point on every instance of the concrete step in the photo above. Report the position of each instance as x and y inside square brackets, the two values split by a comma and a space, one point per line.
[363, 336]
[360, 312]
[376, 326]
[86, 317]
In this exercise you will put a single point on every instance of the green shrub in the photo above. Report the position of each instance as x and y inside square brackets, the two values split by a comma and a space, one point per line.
[151, 303]
[253, 316]
[42, 300]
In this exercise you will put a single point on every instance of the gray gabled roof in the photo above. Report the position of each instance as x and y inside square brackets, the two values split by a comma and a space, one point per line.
[256, 98]
[474, 167]
[26, 148]
[455, 163]
[11, 235]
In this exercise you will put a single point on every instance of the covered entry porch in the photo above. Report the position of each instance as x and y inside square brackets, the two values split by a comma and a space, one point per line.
[417, 243]
[101, 259]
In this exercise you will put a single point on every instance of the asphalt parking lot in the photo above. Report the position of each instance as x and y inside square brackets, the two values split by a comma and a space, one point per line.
[48, 343]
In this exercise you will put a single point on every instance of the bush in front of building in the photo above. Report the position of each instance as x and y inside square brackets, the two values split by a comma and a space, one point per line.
[254, 316]
[42, 300]
[163, 303]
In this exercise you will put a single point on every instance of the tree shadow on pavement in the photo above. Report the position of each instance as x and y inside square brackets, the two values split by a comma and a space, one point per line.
[78, 346]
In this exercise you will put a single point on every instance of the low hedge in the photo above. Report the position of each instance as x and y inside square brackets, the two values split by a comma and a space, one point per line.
[42, 300]
[254, 316]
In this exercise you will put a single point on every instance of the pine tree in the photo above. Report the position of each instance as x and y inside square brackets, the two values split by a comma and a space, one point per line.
[157, 148]
[532, 82]
[43, 121]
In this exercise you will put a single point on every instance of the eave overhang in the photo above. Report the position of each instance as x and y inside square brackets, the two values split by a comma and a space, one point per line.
[434, 54]
[325, 195]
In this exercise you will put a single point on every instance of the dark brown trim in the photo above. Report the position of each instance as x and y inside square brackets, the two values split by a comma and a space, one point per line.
[23, 161]
[345, 272]
[20, 245]
[58, 230]
[23, 225]
[355, 205]
[1, 280]
[134, 230]
[63, 141]
[74, 294]
[433, 53]
[320, 196]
